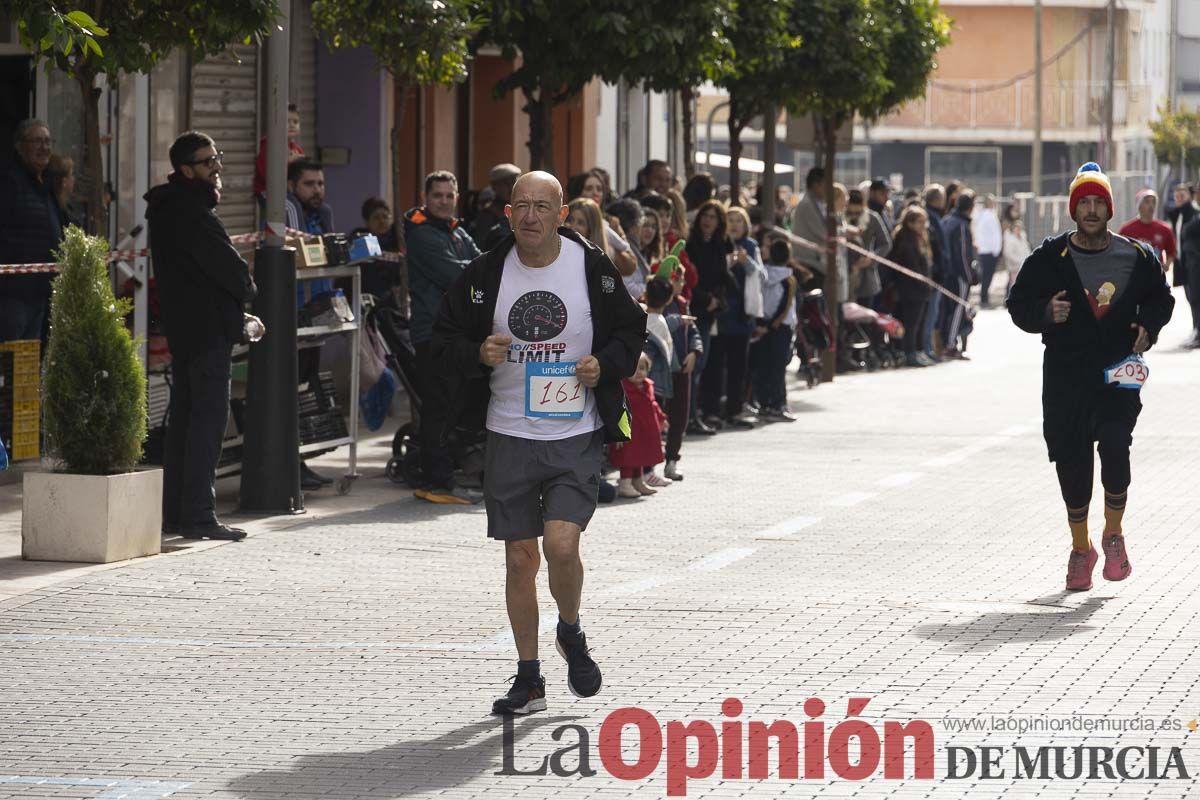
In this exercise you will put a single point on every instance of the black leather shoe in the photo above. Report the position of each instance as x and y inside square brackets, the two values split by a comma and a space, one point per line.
[213, 530]
[306, 472]
[697, 428]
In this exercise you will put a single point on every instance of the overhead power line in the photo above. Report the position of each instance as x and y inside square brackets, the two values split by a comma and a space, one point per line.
[992, 87]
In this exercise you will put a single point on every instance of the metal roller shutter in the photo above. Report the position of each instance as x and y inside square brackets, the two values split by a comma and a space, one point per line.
[225, 106]
[302, 86]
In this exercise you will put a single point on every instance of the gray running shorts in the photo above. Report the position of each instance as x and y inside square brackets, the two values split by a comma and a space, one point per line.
[529, 481]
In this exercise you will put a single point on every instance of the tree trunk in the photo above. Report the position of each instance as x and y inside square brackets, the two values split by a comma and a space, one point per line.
[547, 130]
[735, 154]
[397, 199]
[541, 139]
[97, 214]
[689, 131]
[767, 186]
[827, 127]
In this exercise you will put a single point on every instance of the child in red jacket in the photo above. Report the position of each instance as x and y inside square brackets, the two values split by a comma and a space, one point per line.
[644, 449]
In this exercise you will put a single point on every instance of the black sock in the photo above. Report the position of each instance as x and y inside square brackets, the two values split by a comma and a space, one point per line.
[569, 630]
[529, 669]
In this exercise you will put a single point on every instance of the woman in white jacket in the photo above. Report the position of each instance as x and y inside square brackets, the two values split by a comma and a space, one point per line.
[1016, 245]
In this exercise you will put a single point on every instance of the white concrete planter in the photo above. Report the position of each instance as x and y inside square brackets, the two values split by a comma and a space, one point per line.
[92, 518]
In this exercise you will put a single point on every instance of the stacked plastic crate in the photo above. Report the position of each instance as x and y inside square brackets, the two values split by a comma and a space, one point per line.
[22, 436]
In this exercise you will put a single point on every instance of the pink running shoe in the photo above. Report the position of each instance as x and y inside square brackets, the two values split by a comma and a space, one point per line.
[1079, 569]
[1116, 562]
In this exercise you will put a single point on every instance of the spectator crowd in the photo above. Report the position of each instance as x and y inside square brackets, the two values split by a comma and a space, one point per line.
[734, 292]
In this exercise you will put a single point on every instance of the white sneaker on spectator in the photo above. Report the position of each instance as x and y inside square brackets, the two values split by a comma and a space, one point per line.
[656, 480]
[671, 470]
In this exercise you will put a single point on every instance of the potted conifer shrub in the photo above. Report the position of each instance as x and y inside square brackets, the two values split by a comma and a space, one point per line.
[94, 506]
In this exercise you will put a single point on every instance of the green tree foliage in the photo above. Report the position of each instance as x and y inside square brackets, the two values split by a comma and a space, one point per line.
[917, 30]
[418, 42]
[561, 44]
[860, 58]
[680, 44]
[94, 387]
[1176, 138]
[564, 44]
[112, 37]
[764, 44]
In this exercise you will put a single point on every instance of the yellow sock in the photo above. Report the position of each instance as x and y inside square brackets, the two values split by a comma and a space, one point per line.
[1114, 510]
[1077, 518]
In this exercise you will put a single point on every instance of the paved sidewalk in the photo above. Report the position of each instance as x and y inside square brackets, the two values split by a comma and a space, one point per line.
[904, 541]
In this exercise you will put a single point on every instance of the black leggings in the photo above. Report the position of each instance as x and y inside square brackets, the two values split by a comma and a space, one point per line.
[1075, 475]
[914, 300]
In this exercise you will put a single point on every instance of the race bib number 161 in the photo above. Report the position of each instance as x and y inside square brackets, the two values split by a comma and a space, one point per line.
[551, 390]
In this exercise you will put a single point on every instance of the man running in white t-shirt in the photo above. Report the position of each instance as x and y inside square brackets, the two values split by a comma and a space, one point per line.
[534, 339]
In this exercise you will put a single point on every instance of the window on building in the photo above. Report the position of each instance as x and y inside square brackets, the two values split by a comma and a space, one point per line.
[850, 168]
[977, 167]
[1189, 64]
[167, 92]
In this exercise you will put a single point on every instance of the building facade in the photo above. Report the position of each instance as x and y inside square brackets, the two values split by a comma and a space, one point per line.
[976, 121]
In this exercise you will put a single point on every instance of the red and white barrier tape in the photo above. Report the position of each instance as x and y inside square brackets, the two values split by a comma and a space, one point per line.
[802, 242]
[125, 255]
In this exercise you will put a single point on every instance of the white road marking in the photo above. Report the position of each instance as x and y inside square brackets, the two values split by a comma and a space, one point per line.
[787, 527]
[721, 558]
[964, 452]
[899, 479]
[851, 499]
[223, 645]
[123, 788]
[503, 640]
[642, 585]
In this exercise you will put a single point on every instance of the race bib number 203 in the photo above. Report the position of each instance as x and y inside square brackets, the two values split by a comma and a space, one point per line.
[552, 390]
[1128, 373]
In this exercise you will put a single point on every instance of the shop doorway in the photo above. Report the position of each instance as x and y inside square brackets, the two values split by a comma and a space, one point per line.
[16, 99]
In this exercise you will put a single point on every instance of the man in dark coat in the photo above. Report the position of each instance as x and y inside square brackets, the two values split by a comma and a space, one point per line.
[439, 249]
[1181, 217]
[960, 258]
[935, 206]
[29, 233]
[1099, 300]
[204, 285]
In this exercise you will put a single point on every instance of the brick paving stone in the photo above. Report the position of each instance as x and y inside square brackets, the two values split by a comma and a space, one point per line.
[355, 654]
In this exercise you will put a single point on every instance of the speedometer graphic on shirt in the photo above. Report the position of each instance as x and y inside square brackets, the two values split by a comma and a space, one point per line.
[537, 316]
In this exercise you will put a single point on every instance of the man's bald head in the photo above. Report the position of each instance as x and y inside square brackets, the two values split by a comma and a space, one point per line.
[537, 184]
[535, 212]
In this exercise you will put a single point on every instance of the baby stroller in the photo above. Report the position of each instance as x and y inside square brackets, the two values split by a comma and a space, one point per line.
[386, 319]
[405, 464]
[871, 337]
[814, 335]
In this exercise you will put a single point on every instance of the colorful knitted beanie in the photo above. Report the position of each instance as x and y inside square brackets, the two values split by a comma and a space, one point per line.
[1091, 181]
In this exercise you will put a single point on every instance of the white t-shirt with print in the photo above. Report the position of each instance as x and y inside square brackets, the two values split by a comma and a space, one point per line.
[547, 313]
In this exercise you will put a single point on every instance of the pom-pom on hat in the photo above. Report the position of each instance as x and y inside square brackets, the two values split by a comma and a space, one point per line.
[1091, 181]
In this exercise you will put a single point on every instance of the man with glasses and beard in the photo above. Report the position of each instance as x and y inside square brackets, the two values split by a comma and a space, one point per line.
[533, 340]
[204, 285]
